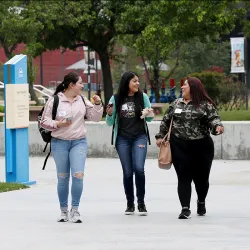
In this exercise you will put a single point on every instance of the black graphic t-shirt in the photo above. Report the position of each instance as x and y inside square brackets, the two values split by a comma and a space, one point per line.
[130, 123]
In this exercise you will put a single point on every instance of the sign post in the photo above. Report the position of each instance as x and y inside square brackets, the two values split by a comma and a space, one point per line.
[16, 92]
[238, 59]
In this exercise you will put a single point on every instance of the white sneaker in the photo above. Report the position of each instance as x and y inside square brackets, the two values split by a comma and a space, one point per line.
[75, 216]
[63, 217]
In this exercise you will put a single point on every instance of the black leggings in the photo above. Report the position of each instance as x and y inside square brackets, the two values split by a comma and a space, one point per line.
[192, 160]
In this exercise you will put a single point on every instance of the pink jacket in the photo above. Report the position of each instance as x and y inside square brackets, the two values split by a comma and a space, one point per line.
[77, 110]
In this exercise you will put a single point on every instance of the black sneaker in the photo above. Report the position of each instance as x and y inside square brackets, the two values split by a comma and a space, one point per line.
[130, 209]
[185, 213]
[142, 210]
[201, 208]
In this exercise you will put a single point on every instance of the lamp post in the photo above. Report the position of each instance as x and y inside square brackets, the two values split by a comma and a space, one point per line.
[89, 84]
[41, 69]
[61, 62]
[96, 70]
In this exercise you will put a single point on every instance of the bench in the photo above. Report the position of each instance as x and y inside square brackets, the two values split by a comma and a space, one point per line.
[34, 111]
[30, 102]
[157, 107]
[1, 117]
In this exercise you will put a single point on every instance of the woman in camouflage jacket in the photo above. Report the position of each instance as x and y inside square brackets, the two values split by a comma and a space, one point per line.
[194, 118]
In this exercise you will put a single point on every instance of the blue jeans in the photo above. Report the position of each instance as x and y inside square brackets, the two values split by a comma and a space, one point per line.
[132, 154]
[69, 156]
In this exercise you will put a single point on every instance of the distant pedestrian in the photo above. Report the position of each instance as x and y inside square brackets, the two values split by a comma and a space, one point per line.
[69, 143]
[194, 117]
[129, 111]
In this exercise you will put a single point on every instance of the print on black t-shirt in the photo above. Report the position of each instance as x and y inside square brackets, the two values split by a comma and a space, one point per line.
[130, 124]
[128, 110]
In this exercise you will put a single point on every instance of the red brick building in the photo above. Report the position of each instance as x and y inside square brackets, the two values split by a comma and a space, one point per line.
[51, 66]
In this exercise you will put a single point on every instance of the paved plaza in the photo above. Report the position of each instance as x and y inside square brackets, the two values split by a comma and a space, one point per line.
[28, 217]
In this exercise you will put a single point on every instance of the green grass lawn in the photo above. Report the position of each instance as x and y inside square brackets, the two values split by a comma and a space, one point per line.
[235, 115]
[6, 187]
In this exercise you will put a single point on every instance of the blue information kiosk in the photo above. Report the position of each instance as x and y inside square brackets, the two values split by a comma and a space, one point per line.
[16, 92]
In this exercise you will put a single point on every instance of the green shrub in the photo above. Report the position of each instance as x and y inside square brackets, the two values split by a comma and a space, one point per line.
[1, 72]
[232, 94]
[226, 91]
[211, 82]
[1, 111]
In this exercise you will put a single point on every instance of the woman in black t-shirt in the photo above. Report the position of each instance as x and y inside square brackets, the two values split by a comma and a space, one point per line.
[128, 112]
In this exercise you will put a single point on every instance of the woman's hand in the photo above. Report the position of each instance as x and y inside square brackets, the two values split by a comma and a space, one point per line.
[147, 112]
[158, 142]
[97, 99]
[109, 110]
[219, 130]
[63, 123]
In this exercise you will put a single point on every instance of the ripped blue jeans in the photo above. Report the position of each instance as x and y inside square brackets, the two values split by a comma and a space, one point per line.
[132, 154]
[70, 157]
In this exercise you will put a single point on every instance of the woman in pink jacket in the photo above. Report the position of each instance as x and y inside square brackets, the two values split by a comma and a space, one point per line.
[69, 144]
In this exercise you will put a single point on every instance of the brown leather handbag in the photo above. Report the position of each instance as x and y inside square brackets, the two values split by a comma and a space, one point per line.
[165, 156]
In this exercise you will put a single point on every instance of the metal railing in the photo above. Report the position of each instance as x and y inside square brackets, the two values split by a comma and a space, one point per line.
[43, 91]
[38, 88]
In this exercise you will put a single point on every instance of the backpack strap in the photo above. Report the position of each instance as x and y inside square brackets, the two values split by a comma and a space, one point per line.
[45, 147]
[55, 106]
[85, 117]
[54, 110]
[83, 100]
[44, 164]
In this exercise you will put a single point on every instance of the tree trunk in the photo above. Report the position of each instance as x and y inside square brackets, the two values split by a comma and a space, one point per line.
[176, 63]
[8, 54]
[146, 69]
[8, 51]
[31, 77]
[156, 83]
[106, 74]
[33, 96]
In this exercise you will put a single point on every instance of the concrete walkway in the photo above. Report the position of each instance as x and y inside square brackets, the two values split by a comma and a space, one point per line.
[28, 217]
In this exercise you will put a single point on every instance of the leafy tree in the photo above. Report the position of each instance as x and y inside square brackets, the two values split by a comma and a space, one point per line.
[10, 23]
[125, 59]
[196, 56]
[170, 24]
[15, 30]
[98, 23]
[71, 24]
[31, 52]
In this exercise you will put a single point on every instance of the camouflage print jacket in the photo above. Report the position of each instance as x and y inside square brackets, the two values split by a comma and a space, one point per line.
[189, 122]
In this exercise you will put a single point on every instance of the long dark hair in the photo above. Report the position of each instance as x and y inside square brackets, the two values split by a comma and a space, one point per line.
[124, 89]
[198, 92]
[71, 77]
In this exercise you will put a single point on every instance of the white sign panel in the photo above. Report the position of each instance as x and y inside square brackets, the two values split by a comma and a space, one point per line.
[17, 106]
[237, 55]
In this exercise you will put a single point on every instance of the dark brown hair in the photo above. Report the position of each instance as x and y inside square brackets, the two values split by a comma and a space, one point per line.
[71, 77]
[124, 89]
[198, 92]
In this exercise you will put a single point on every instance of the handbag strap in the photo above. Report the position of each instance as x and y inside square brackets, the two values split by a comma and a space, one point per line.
[169, 130]
[167, 136]
[170, 127]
